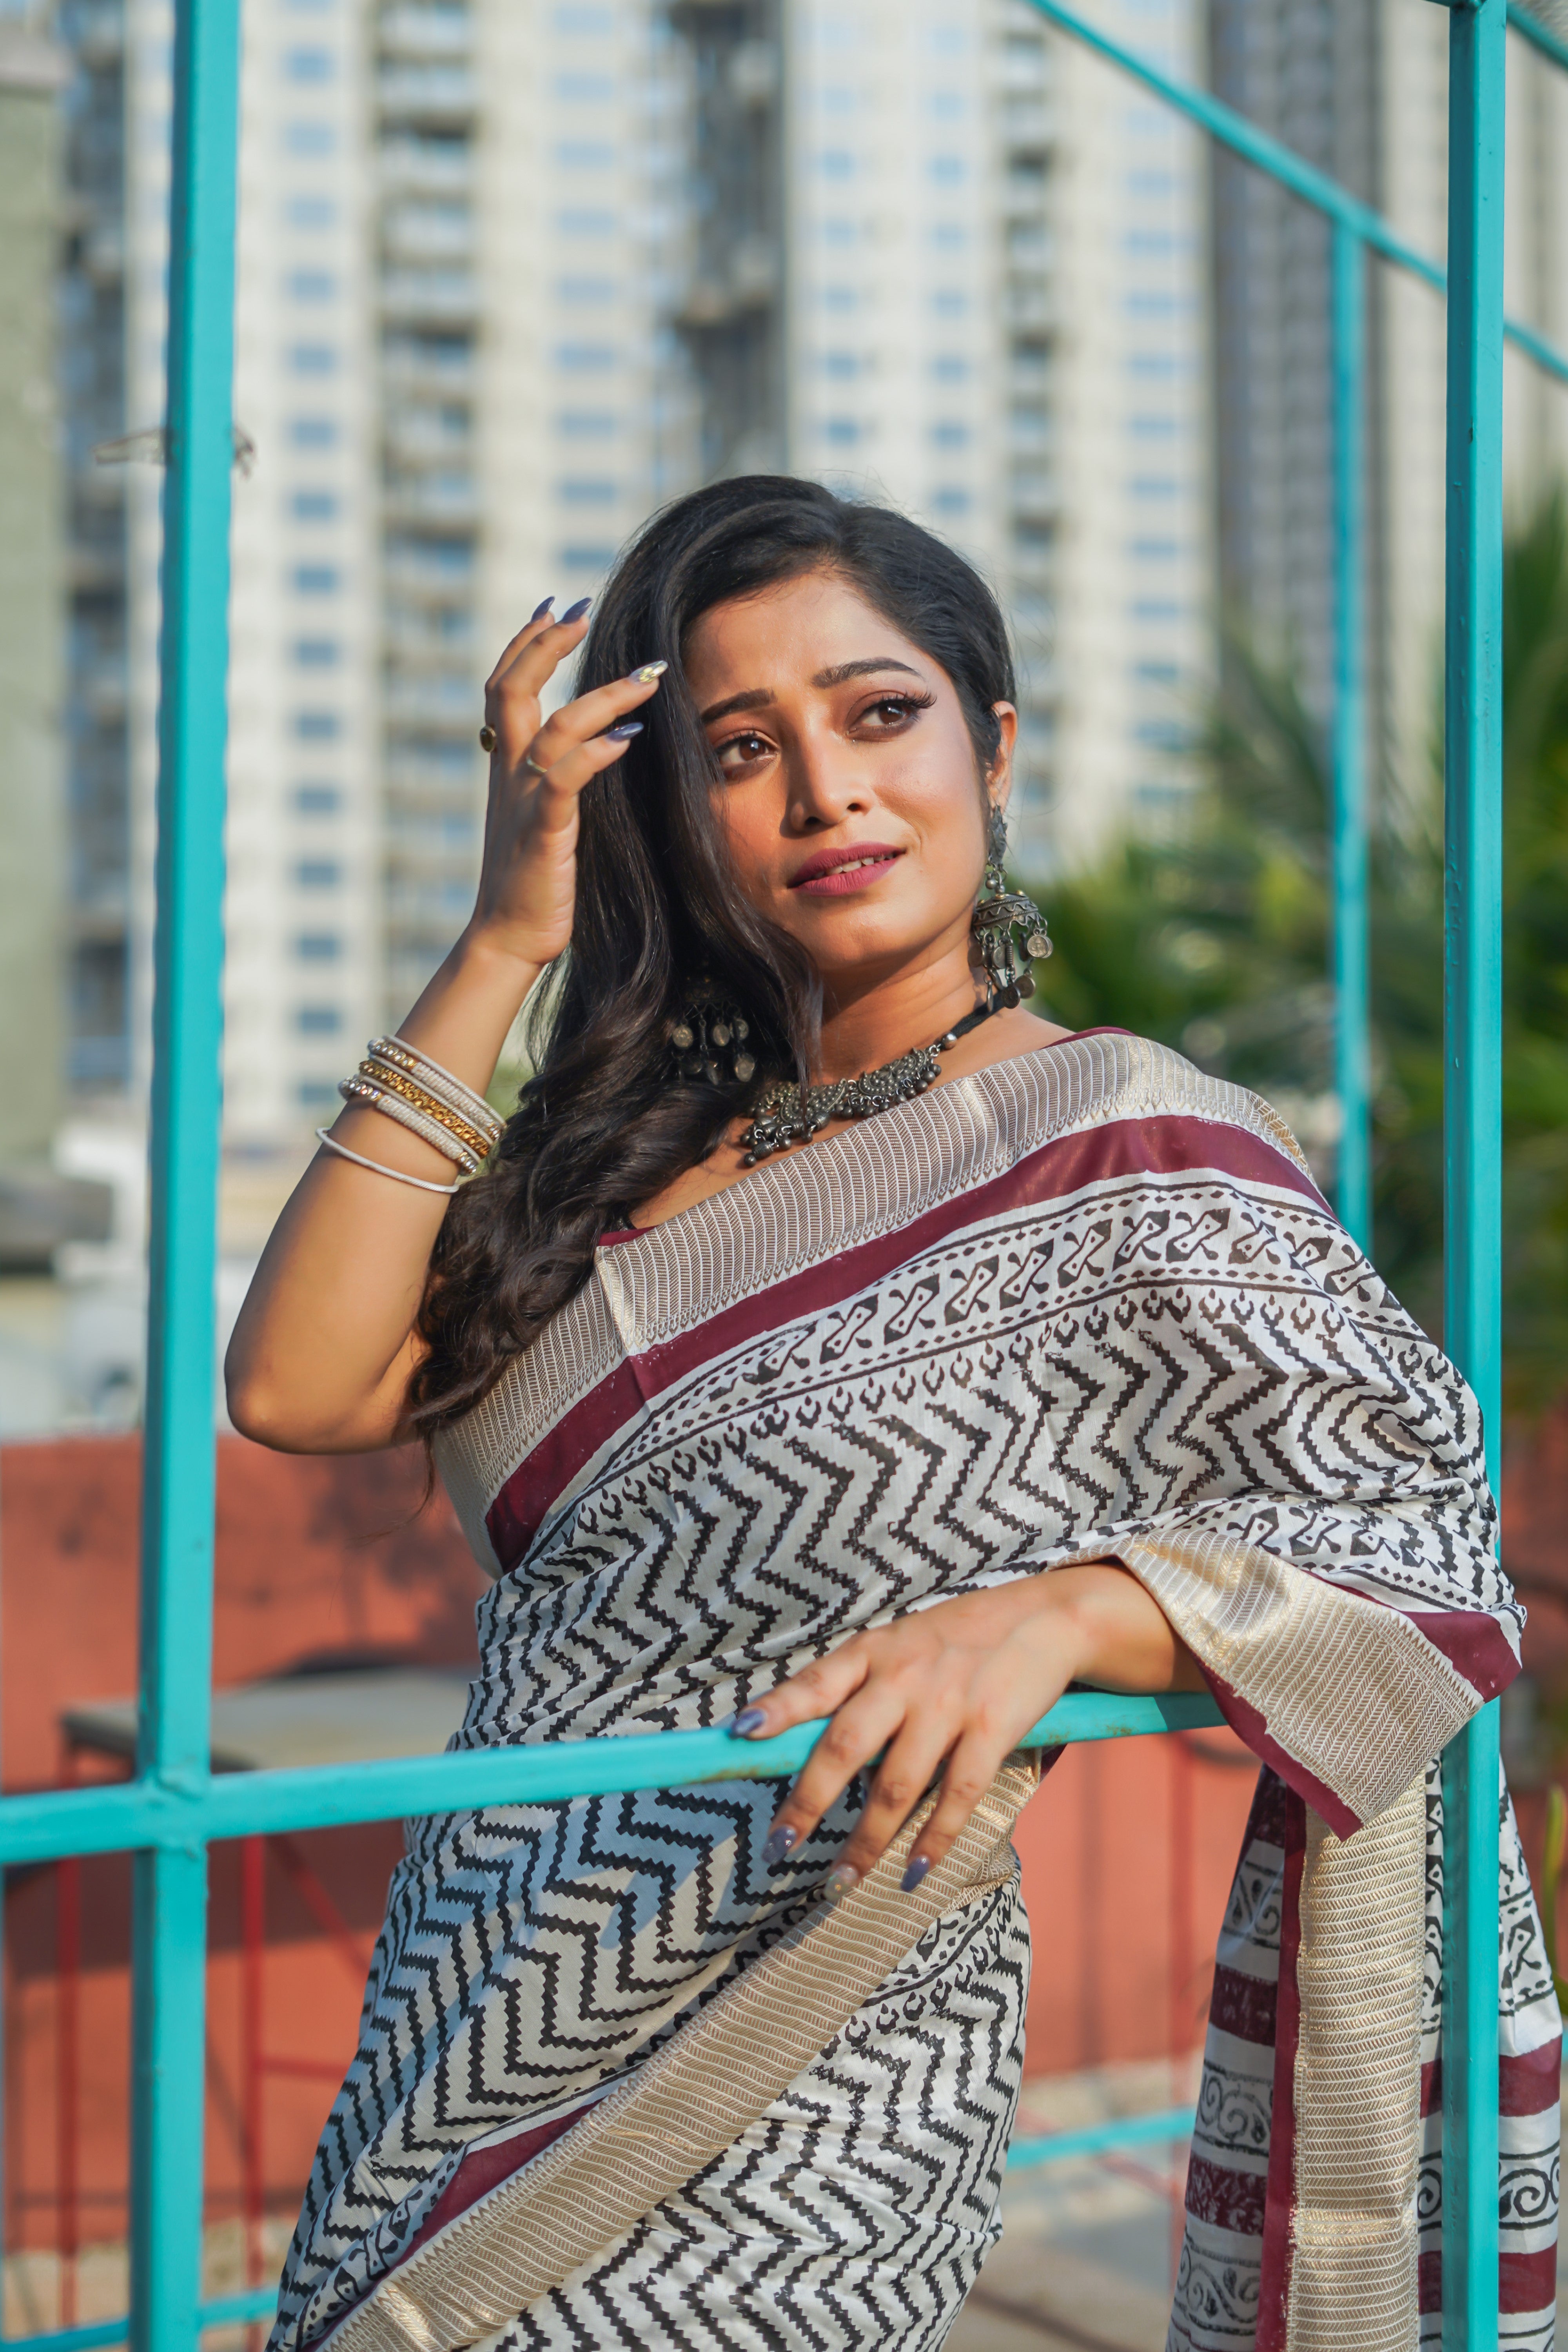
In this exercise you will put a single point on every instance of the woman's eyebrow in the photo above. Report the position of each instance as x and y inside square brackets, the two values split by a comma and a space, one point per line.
[844, 671]
[757, 697]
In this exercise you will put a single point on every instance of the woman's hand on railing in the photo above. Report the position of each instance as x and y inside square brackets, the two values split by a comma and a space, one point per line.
[949, 1691]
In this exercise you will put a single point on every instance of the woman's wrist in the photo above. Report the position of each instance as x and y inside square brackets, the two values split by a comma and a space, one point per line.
[1103, 1628]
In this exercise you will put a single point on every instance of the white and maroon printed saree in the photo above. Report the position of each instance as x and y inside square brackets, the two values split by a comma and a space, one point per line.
[620, 2084]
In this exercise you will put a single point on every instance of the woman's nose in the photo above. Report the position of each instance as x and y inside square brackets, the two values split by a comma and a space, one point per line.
[825, 786]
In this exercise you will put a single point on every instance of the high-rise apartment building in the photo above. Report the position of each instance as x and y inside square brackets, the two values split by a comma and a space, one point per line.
[1360, 87]
[1106, 503]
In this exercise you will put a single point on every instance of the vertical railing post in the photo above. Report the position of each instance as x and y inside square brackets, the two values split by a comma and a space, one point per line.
[169, 1934]
[1473, 1109]
[1349, 859]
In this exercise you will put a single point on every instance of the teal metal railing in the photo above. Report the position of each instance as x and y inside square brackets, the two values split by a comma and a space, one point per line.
[174, 1809]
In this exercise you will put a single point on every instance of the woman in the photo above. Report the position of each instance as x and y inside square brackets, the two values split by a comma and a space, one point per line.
[995, 1359]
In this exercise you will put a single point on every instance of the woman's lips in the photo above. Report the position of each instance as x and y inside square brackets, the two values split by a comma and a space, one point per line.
[840, 880]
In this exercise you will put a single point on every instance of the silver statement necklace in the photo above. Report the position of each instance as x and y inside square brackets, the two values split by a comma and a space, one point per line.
[789, 1113]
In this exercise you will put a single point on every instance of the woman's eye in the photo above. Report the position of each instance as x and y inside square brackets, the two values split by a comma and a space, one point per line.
[741, 749]
[890, 711]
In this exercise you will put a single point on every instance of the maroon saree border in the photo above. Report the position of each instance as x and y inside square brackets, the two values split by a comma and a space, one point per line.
[1166, 1144]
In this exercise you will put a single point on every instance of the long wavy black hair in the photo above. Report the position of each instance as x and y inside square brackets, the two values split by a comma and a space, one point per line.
[605, 1123]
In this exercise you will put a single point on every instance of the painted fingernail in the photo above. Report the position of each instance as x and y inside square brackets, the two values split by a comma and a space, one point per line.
[915, 1872]
[750, 1719]
[575, 612]
[649, 672]
[780, 1840]
[840, 1879]
[540, 610]
[623, 732]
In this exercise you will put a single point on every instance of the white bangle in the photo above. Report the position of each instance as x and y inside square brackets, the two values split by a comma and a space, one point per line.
[420, 1184]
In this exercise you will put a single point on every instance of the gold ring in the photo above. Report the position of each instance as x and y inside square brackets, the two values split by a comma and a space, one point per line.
[528, 761]
[487, 739]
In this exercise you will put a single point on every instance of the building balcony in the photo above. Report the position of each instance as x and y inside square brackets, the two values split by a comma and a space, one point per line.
[412, 240]
[407, 169]
[441, 95]
[425, 33]
[439, 297]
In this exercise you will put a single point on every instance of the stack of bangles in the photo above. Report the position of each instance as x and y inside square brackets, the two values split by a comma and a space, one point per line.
[397, 1079]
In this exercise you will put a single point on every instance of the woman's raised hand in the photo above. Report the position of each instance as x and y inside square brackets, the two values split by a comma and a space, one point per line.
[538, 768]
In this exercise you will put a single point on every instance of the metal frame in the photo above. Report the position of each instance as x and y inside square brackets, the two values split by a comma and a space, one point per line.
[173, 1809]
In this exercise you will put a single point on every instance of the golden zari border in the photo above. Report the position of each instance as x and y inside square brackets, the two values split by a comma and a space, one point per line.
[651, 2135]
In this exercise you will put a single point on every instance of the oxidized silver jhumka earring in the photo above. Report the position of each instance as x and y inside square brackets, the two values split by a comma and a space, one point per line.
[705, 1030]
[998, 913]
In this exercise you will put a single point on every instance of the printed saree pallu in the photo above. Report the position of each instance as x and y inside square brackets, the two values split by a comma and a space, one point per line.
[618, 2082]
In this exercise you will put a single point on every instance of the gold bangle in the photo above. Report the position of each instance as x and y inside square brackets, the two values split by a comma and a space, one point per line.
[436, 1079]
[406, 1114]
[394, 1082]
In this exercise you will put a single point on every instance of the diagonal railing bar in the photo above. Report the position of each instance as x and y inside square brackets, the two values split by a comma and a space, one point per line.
[1281, 162]
[1530, 27]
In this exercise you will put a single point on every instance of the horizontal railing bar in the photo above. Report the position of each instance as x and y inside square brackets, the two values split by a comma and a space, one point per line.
[1527, 25]
[1281, 162]
[134, 1815]
[95, 2334]
[1024, 2154]
[1102, 2139]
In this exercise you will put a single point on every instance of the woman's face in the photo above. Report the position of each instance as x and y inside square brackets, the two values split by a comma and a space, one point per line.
[848, 776]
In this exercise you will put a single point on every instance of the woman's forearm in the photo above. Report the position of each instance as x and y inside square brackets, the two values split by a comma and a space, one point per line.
[323, 1350]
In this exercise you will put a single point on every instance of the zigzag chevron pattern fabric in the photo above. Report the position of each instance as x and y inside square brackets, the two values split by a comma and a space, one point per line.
[1086, 1304]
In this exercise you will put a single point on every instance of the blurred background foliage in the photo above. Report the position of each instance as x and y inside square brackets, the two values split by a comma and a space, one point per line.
[1217, 942]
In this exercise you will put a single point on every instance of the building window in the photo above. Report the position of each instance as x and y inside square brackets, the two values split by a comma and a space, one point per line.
[949, 434]
[579, 222]
[318, 800]
[310, 138]
[840, 432]
[584, 355]
[950, 367]
[584, 290]
[950, 501]
[949, 303]
[318, 874]
[316, 653]
[947, 171]
[578, 491]
[585, 89]
[586, 423]
[318, 1020]
[313, 506]
[312, 432]
[307, 65]
[312, 359]
[315, 579]
[318, 946]
[311, 285]
[586, 558]
[585, 155]
[841, 366]
[316, 726]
